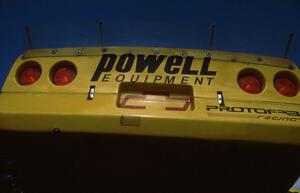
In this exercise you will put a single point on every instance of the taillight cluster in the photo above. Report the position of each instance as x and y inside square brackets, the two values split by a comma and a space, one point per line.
[249, 80]
[252, 81]
[61, 74]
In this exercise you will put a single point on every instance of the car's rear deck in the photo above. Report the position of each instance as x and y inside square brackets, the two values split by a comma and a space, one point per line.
[130, 119]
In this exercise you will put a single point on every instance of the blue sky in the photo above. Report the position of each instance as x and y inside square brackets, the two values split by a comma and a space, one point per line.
[259, 27]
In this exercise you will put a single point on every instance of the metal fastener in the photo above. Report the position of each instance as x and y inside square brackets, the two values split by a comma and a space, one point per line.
[54, 51]
[259, 59]
[56, 131]
[78, 52]
[233, 59]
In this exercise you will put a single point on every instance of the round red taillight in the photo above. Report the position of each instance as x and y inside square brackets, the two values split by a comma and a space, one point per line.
[250, 81]
[286, 84]
[63, 74]
[29, 74]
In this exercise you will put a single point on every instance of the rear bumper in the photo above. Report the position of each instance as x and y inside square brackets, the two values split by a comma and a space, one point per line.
[87, 163]
[43, 112]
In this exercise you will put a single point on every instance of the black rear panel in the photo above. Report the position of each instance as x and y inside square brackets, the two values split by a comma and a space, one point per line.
[86, 163]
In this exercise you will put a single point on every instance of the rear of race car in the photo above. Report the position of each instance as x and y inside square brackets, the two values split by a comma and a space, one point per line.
[128, 119]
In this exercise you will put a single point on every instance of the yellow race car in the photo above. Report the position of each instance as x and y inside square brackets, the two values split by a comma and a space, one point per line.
[135, 119]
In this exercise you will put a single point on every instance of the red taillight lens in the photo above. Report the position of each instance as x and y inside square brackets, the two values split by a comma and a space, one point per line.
[29, 75]
[250, 84]
[286, 86]
[63, 75]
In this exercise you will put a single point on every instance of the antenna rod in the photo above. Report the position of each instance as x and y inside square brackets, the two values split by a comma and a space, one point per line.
[28, 35]
[212, 37]
[287, 49]
[101, 32]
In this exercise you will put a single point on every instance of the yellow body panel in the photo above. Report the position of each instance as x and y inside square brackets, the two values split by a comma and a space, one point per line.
[43, 106]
